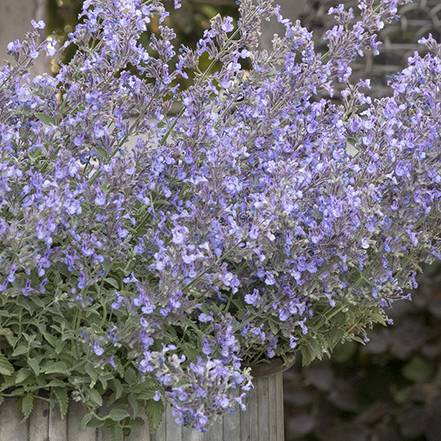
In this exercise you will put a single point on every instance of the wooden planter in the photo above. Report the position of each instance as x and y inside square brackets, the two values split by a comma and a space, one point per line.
[262, 421]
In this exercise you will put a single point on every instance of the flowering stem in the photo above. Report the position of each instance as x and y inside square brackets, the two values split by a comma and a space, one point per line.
[205, 75]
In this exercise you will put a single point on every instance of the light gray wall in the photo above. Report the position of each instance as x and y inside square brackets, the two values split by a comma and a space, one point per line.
[15, 21]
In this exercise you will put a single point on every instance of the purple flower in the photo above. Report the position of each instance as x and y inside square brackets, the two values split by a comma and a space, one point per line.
[98, 349]
[100, 199]
[117, 304]
[42, 286]
[82, 280]
[253, 299]
[11, 276]
[139, 249]
[227, 24]
[205, 318]
[27, 290]
[111, 361]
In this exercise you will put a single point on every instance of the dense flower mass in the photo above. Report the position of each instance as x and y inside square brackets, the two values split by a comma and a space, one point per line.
[261, 219]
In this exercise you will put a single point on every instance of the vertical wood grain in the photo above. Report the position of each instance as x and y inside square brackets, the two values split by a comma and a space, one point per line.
[250, 417]
[272, 409]
[216, 431]
[39, 422]
[74, 430]
[57, 426]
[262, 411]
[173, 431]
[189, 434]
[232, 426]
[280, 411]
[11, 426]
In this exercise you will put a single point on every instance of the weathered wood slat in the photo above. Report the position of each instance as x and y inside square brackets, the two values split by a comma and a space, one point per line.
[74, 429]
[263, 411]
[272, 409]
[231, 425]
[215, 433]
[262, 421]
[279, 406]
[249, 418]
[11, 426]
[57, 426]
[172, 430]
[39, 422]
[191, 435]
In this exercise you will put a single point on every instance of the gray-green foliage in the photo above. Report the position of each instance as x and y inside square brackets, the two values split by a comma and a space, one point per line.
[47, 353]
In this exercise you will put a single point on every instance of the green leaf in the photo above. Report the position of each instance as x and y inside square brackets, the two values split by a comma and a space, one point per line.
[116, 433]
[22, 374]
[134, 403]
[20, 350]
[59, 346]
[118, 414]
[147, 393]
[62, 398]
[154, 411]
[17, 392]
[2, 399]
[118, 388]
[47, 119]
[5, 331]
[311, 350]
[161, 202]
[95, 422]
[6, 368]
[26, 405]
[57, 383]
[102, 153]
[86, 419]
[130, 376]
[95, 397]
[357, 339]
[90, 370]
[37, 300]
[136, 423]
[52, 340]
[55, 368]
[112, 282]
[34, 365]
[104, 378]
[90, 420]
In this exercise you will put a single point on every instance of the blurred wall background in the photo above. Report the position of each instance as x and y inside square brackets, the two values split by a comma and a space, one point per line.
[15, 21]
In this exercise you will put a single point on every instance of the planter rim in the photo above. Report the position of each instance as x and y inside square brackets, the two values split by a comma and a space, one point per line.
[272, 367]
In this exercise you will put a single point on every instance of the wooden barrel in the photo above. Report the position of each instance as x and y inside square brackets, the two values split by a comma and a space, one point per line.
[262, 421]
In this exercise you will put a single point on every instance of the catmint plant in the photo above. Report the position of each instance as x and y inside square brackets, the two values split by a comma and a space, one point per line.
[237, 230]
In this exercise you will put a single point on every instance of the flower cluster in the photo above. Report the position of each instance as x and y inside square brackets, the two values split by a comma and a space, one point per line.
[243, 227]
